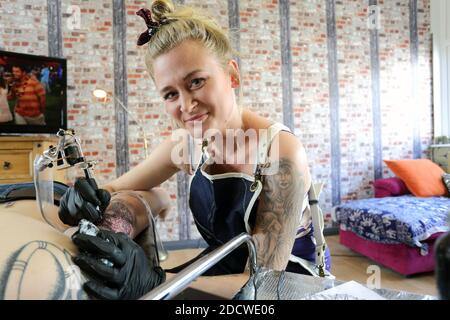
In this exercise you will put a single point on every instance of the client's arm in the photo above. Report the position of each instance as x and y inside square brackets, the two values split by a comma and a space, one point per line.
[129, 211]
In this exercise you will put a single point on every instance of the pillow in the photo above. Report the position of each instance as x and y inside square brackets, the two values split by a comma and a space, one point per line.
[421, 176]
[390, 187]
[446, 180]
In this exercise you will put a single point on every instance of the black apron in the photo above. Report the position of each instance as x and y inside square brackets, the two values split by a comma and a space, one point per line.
[223, 207]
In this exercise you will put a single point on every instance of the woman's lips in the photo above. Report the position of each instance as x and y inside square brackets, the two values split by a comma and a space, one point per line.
[200, 117]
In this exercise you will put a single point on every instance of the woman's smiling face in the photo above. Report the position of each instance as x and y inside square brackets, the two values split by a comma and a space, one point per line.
[196, 89]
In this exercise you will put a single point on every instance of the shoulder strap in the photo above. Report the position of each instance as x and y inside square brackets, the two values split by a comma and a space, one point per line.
[264, 143]
[266, 140]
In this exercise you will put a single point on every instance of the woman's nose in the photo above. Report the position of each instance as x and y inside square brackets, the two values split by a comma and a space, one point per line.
[187, 103]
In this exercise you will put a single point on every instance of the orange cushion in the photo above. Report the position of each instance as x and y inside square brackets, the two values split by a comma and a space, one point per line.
[422, 176]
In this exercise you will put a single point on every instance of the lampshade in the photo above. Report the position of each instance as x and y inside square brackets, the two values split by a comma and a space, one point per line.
[99, 93]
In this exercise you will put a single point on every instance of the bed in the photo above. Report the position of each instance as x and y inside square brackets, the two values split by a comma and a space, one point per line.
[397, 232]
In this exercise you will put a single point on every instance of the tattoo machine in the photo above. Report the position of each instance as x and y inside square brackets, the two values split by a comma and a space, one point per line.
[68, 153]
[87, 227]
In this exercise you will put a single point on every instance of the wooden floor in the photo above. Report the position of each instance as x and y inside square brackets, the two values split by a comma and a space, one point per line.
[348, 265]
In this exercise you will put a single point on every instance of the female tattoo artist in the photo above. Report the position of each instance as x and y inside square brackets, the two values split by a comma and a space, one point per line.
[190, 61]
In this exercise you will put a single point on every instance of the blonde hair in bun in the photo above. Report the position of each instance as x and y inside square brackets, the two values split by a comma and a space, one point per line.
[185, 24]
[161, 8]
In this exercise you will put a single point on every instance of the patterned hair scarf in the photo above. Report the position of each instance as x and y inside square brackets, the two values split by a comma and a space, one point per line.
[152, 26]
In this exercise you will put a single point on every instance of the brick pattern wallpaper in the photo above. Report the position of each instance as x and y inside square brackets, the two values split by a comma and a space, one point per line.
[395, 80]
[355, 110]
[261, 58]
[23, 26]
[310, 87]
[88, 49]
[425, 94]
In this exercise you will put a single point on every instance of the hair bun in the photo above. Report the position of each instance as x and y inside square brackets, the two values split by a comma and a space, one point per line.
[160, 8]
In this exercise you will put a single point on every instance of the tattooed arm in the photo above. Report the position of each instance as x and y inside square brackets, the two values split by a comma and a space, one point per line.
[129, 211]
[126, 213]
[280, 203]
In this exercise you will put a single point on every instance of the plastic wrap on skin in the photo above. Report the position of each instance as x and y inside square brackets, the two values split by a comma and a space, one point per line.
[149, 237]
[276, 285]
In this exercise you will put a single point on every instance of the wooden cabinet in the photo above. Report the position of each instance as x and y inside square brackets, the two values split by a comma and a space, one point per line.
[17, 156]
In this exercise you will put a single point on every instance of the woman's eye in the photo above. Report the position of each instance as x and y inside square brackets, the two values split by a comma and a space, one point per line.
[169, 95]
[195, 83]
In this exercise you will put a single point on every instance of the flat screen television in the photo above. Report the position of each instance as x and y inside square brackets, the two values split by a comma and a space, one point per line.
[33, 93]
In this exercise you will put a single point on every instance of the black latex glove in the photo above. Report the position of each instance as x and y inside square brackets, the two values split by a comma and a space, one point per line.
[132, 275]
[83, 201]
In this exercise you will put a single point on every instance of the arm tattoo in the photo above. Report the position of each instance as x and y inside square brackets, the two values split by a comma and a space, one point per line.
[121, 216]
[64, 280]
[278, 215]
[118, 217]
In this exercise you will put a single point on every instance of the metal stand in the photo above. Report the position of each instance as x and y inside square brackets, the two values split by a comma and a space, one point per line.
[171, 288]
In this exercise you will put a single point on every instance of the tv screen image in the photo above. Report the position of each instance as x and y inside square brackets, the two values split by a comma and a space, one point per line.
[33, 93]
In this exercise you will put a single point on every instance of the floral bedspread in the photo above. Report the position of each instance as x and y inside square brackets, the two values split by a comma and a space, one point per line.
[406, 219]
